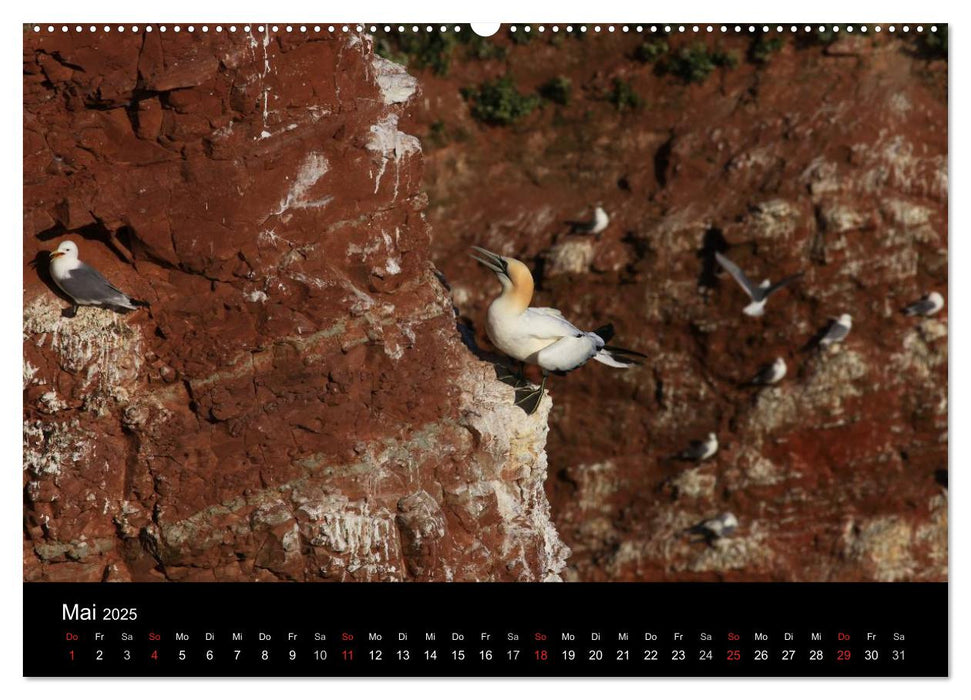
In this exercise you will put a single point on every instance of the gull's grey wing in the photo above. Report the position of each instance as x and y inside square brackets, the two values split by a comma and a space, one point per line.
[919, 307]
[836, 333]
[736, 272]
[782, 283]
[86, 285]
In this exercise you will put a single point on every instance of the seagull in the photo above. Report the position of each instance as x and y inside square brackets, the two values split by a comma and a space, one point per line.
[84, 284]
[700, 450]
[541, 336]
[760, 293]
[927, 305]
[715, 528]
[595, 226]
[770, 373]
[837, 331]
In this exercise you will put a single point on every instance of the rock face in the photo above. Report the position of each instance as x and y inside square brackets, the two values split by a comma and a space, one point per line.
[825, 158]
[297, 403]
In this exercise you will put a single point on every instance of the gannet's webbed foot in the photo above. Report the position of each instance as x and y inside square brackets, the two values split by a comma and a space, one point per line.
[528, 398]
[509, 376]
[70, 313]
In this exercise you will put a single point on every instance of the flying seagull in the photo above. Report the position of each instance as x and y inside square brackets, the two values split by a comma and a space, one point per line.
[770, 373]
[758, 293]
[714, 528]
[700, 450]
[595, 226]
[541, 336]
[84, 284]
[838, 330]
[927, 305]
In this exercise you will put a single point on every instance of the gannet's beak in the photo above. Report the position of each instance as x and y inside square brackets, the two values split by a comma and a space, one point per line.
[56, 254]
[491, 260]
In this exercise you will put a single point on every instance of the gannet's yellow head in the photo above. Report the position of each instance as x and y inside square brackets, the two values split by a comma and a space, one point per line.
[514, 276]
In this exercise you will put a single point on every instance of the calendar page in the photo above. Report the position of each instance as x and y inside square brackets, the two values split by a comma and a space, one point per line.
[371, 349]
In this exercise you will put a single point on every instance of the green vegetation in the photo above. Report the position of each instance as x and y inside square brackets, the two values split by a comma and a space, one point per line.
[557, 90]
[519, 36]
[431, 50]
[498, 102]
[693, 64]
[933, 44]
[762, 48]
[622, 96]
[650, 51]
[435, 50]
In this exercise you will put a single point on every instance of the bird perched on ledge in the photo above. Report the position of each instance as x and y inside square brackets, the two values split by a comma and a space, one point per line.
[84, 284]
[541, 336]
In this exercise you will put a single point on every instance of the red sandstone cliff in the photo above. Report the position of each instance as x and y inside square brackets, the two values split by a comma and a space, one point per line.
[828, 158]
[297, 403]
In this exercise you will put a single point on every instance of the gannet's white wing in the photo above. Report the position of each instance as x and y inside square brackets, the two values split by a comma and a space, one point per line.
[85, 285]
[548, 323]
[556, 313]
[744, 282]
[569, 353]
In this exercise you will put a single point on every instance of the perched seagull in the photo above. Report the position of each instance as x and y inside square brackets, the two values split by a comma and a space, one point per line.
[700, 450]
[714, 528]
[84, 284]
[541, 336]
[758, 293]
[770, 373]
[928, 305]
[596, 225]
[837, 331]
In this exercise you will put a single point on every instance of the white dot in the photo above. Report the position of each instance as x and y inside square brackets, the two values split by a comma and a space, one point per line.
[596, 29]
[232, 27]
[709, 28]
[695, 29]
[835, 28]
[863, 28]
[891, 28]
[289, 28]
[162, 28]
[77, 28]
[878, 28]
[176, 28]
[526, 29]
[906, 28]
[120, 29]
[148, 28]
[583, 28]
[934, 28]
[610, 28]
[849, 29]
[920, 28]
[428, 29]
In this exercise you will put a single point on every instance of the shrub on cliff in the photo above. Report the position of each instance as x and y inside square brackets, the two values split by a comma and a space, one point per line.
[498, 102]
[693, 64]
[622, 96]
[762, 48]
[557, 90]
[650, 51]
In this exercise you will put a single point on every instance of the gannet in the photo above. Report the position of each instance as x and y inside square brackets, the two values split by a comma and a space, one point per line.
[596, 225]
[541, 336]
[700, 450]
[84, 284]
[927, 305]
[715, 528]
[837, 331]
[758, 293]
[771, 373]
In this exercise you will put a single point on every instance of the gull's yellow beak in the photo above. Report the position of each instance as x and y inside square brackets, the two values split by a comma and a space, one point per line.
[56, 254]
